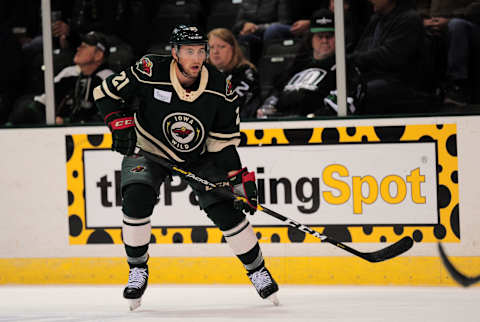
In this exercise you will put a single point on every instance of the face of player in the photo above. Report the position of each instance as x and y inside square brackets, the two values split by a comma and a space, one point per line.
[323, 44]
[192, 58]
[221, 52]
[86, 54]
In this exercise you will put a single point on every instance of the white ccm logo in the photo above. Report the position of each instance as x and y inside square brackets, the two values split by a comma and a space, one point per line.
[121, 123]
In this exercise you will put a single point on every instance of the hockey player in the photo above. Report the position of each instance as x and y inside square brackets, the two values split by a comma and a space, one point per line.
[188, 115]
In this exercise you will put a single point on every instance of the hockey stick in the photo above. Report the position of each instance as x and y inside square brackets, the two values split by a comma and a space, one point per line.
[391, 251]
[461, 279]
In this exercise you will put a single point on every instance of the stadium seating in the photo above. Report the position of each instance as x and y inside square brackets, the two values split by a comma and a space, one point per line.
[276, 58]
[221, 13]
[171, 13]
[121, 54]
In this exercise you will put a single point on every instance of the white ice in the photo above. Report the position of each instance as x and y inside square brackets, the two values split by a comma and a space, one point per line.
[241, 303]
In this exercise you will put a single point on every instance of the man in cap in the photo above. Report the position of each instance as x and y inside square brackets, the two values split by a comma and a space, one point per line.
[322, 28]
[312, 77]
[188, 116]
[74, 86]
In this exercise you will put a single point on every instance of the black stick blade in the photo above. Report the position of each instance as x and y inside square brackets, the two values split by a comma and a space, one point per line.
[391, 251]
[380, 255]
[461, 279]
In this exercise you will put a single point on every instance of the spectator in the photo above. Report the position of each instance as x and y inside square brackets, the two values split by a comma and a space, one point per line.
[71, 19]
[389, 55]
[311, 80]
[262, 20]
[356, 16]
[31, 19]
[301, 14]
[227, 56]
[459, 21]
[73, 87]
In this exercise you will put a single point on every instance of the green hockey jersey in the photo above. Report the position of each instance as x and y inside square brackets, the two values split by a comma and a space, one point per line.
[173, 122]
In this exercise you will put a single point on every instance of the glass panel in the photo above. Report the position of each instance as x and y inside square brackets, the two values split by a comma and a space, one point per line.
[22, 74]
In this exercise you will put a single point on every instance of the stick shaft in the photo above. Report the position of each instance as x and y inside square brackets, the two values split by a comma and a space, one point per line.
[391, 251]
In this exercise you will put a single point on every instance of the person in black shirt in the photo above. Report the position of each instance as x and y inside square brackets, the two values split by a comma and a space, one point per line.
[389, 55]
[227, 56]
[308, 88]
[74, 86]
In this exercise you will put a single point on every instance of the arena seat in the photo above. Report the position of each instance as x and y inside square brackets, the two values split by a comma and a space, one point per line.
[221, 13]
[277, 57]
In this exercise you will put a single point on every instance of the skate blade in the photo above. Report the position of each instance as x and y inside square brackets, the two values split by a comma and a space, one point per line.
[134, 303]
[274, 299]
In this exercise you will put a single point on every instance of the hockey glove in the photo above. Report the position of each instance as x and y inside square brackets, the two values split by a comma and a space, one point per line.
[243, 183]
[122, 126]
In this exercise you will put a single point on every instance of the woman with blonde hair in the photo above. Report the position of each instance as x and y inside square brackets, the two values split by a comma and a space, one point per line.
[227, 56]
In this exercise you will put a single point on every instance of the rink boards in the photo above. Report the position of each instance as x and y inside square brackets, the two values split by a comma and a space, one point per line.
[368, 181]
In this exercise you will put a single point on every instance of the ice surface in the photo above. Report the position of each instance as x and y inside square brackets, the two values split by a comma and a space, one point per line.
[240, 303]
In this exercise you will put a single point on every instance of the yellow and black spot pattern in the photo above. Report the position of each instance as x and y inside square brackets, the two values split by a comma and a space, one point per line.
[447, 192]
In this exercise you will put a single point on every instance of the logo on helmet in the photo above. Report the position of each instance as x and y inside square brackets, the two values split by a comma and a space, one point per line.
[183, 34]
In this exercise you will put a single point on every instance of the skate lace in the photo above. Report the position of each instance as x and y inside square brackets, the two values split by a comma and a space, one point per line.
[261, 279]
[137, 277]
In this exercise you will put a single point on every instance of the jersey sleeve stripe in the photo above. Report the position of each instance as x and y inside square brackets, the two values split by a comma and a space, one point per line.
[108, 92]
[224, 136]
[98, 93]
[214, 145]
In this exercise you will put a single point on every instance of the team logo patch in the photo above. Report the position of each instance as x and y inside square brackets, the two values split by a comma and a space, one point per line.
[137, 169]
[229, 86]
[183, 131]
[145, 66]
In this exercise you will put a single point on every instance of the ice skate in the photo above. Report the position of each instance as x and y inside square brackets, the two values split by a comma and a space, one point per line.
[265, 285]
[137, 283]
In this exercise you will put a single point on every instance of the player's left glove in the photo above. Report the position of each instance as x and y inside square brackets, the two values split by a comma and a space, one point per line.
[243, 183]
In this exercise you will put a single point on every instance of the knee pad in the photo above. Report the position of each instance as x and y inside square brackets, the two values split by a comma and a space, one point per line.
[224, 216]
[138, 200]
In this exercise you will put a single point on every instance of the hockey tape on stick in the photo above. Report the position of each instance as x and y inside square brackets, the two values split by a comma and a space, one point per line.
[461, 279]
[388, 252]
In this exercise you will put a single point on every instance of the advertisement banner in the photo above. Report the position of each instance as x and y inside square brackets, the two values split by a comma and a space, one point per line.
[361, 184]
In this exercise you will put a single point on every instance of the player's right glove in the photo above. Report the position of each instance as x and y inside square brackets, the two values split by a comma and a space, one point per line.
[243, 183]
[122, 126]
